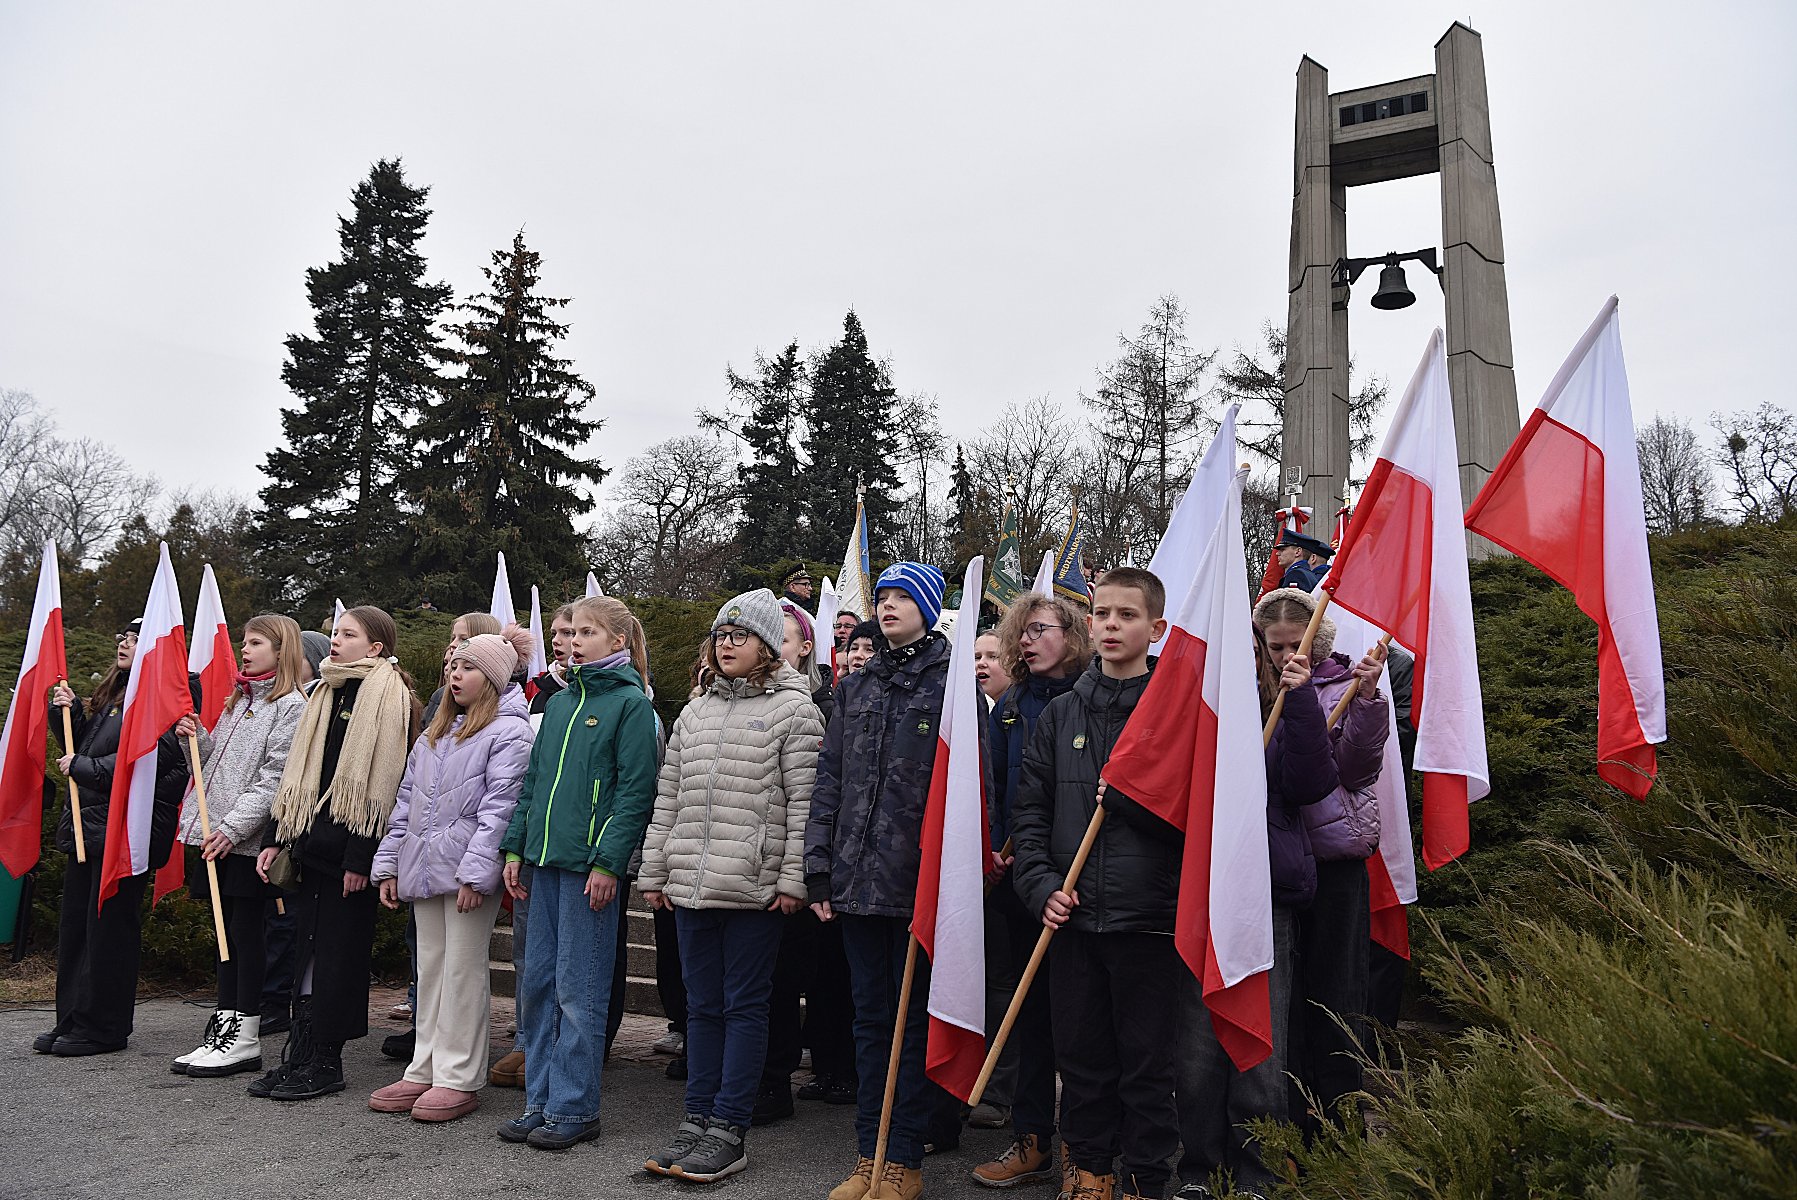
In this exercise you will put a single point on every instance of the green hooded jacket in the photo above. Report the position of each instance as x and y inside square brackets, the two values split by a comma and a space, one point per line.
[590, 787]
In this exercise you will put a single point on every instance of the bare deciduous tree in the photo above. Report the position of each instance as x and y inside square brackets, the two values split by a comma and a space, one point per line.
[1759, 455]
[671, 527]
[79, 492]
[1677, 484]
[1037, 448]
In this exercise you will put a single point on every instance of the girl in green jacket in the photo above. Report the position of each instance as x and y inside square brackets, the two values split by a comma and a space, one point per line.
[587, 797]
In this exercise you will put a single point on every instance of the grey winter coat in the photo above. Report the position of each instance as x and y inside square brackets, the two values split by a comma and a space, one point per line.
[734, 795]
[244, 757]
[454, 804]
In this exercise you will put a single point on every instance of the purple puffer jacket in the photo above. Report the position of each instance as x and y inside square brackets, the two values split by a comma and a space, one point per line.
[1300, 771]
[454, 804]
[1344, 825]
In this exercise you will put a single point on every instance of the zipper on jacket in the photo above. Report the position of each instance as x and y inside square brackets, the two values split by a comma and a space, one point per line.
[560, 761]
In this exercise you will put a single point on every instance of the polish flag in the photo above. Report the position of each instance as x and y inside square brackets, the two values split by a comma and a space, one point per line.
[1045, 576]
[949, 918]
[156, 696]
[1567, 497]
[1175, 561]
[211, 656]
[1402, 567]
[1391, 873]
[823, 633]
[501, 607]
[23, 751]
[593, 588]
[336, 614]
[1192, 754]
[539, 660]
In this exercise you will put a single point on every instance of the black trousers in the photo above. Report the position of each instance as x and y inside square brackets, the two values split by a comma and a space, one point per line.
[620, 972]
[670, 984]
[1116, 1025]
[830, 1006]
[1385, 985]
[1333, 950]
[97, 952]
[277, 957]
[794, 967]
[1011, 934]
[335, 936]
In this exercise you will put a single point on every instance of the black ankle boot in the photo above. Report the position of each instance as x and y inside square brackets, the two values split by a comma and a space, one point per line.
[294, 1055]
[319, 1077]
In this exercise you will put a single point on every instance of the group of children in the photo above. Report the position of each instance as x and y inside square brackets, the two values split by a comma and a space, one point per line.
[778, 798]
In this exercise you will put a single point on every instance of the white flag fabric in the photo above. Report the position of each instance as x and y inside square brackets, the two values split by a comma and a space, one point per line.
[823, 632]
[593, 588]
[539, 660]
[1045, 576]
[210, 654]
[1175, 561]
[336, 615]
[501, 608]
[1567, 497]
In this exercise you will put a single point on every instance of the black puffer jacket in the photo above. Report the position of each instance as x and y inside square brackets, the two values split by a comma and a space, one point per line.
[96, 751]
[1131, 882]
[873, 778]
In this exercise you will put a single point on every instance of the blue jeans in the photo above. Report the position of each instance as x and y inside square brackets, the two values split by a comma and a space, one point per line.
[566, 990]
[875, 948]
[727, 958]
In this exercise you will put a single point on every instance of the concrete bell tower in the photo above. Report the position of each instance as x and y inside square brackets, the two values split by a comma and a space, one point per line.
[1430, 124]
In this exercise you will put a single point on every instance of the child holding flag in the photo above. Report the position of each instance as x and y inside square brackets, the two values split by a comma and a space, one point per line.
[587, 797]
[244, 756]
[862, 854]
[1114, 956]
[342, 776]
[97, 945]
[724, 852]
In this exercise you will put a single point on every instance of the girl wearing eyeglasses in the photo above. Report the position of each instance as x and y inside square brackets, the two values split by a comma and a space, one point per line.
[725, 852]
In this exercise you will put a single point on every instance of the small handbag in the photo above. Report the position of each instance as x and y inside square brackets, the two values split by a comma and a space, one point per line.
[284, 870]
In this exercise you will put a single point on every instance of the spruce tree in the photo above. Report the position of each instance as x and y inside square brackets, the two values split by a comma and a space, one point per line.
[849, 438]
[772, 507]
[971, 529]
[498, 464]
[331, 522]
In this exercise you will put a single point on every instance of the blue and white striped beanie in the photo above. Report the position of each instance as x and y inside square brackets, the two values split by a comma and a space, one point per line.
[922, 582]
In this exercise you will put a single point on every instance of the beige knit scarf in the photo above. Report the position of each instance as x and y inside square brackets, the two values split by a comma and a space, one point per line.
[370, 764]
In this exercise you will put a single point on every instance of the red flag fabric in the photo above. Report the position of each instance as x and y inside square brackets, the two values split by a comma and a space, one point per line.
[1191, 753]
[1402, 567]
[23, 750]
[155, 698]
[211, 656]
[949, 916]
[1567, 497]
[1294, 519]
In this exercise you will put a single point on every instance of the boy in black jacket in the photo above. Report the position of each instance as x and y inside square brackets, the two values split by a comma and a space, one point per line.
[1113, 959]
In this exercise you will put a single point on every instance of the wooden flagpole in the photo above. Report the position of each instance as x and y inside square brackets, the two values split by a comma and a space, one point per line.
[1037, 955]
[1310, 634]
[1341, 706]
[199, 791]
[892, 1063]
[68, 742]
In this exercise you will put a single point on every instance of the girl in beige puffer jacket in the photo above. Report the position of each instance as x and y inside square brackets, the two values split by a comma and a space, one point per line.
[725, 852]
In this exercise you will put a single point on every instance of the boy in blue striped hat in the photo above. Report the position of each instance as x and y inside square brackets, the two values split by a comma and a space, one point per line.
[862, 851]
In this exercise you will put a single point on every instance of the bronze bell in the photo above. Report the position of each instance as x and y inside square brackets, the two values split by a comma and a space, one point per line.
[1394, 292]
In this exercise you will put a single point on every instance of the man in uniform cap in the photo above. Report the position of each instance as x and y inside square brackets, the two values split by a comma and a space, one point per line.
[1305, 560]
[797, 587]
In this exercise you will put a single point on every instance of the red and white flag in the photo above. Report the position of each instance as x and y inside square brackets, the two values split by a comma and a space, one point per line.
[501, 606]
[23, 751]
[156, 696]
[1402, 567]
[1192, 754]
[1567, 497]
[1391, 873]
[949, 918]
[1175, 561]
[211, 656]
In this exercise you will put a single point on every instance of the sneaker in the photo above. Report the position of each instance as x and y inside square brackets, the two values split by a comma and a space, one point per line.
[400, 1012]
[718, 1155]
[676, 1067]
[772, 1103]
[857, 1185]
[671, 1042]
[1196, 1191]
[692, 1128]
[559, 1135]
[987, 1115]
[1027, 1160]
[519, 1129]
[831, 1089]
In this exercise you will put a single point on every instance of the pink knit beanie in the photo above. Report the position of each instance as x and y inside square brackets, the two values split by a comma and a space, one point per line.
[493, 656]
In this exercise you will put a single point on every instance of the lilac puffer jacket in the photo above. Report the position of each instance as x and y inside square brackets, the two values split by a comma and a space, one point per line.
[454, 804]
[1344, 825]
[1300, 772]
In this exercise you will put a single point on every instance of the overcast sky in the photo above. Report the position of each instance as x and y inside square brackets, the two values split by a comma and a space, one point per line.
[998, 190]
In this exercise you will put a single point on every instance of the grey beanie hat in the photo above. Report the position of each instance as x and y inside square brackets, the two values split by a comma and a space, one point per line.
[759, 613]
[316, 647]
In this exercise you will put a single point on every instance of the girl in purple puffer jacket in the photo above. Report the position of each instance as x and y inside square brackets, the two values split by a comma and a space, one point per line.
[1333, 933]
[441, 854]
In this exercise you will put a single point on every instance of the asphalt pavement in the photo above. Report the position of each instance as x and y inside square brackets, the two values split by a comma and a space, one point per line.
[121, 1125]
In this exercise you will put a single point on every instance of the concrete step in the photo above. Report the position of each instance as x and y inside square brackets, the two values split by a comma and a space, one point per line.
[640, 997]
[503, 978]
[499, 949]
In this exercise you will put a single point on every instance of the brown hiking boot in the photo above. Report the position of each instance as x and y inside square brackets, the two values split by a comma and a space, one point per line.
[856, 1186]
[898, 1183]
[1067, 1173]
[1026, 1161]
[1087, 1186]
